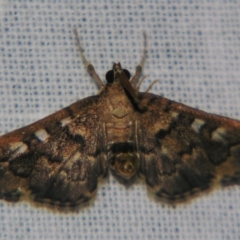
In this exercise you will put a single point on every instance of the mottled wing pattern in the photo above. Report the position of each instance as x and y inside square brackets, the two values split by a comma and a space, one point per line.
[54, 160]
[184, 151]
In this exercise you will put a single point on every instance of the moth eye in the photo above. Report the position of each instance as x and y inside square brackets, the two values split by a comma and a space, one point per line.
[125, 164]
[110, 75]
[127, 73]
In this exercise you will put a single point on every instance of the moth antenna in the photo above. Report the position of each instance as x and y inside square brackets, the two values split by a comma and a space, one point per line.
[142, 62]
[87, 64]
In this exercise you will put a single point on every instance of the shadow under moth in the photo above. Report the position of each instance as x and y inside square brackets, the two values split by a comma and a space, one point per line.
[178, 150]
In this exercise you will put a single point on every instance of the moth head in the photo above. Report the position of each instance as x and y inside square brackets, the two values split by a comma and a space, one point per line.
[124, 164]
[113, 74]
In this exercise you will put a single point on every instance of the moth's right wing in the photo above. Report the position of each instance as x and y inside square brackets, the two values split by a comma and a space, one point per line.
[185, 151]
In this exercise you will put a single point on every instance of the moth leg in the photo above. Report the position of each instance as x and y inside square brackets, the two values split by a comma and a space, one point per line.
[88, 65]
[140, 83]
[151, 85]
[141, 64]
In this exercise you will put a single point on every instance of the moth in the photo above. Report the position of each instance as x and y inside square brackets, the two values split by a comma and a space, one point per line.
[178, 150]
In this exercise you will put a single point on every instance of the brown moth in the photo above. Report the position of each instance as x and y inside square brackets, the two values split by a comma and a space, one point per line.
[180, 151]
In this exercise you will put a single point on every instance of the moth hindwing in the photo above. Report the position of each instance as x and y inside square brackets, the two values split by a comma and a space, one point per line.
[180, 151]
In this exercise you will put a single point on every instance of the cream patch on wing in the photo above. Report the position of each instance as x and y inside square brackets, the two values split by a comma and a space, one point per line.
[197, 124]
[219, 134]
[175, 114]
[42, 135]
[65, 121]
[18, 148]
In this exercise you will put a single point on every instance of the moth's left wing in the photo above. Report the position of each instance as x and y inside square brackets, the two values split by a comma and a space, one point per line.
[185, 151]
[55, 160]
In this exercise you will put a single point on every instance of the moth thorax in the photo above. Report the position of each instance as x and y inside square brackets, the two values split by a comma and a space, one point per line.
[124, 164]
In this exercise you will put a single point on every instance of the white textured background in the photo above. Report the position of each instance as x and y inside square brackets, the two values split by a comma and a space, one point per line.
[194, 50]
